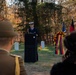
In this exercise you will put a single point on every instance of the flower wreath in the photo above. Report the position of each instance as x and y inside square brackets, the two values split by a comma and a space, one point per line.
[56, 36]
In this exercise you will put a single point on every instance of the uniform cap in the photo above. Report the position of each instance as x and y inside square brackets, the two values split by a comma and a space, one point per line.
[30, 23]
[6, 29]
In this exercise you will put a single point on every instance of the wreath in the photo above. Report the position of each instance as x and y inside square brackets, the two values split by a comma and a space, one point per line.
[56, 36]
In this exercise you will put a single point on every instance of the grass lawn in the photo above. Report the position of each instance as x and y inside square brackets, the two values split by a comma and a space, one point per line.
[46, 60]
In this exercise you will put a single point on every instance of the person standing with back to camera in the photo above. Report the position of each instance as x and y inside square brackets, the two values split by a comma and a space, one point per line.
[9, 64]
[68, 65]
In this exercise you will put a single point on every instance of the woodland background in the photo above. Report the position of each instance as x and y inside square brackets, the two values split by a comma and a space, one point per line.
[47, 16]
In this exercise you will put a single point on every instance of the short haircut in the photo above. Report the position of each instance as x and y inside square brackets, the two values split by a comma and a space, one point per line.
[4, 41]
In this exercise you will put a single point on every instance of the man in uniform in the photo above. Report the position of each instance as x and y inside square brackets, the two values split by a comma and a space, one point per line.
[31, 53]
[32, 29]
[8, 64]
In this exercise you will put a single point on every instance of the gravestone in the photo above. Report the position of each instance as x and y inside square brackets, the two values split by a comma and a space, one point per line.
[16, 46]
[43, 44]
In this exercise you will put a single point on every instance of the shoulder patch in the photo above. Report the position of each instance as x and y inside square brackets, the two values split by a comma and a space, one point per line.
[15, 55]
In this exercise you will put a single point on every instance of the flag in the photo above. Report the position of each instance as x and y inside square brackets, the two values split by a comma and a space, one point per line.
[72, 26]
[63, 27]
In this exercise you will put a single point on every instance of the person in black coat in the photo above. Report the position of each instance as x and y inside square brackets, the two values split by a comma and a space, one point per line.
[68, 65]
[32, 29]
[31, 53]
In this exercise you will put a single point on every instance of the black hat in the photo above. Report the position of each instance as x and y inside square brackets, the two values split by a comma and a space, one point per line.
[70, 42]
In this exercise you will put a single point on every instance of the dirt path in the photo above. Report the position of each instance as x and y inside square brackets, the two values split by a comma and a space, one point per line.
[41, 68]
[36, 70]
